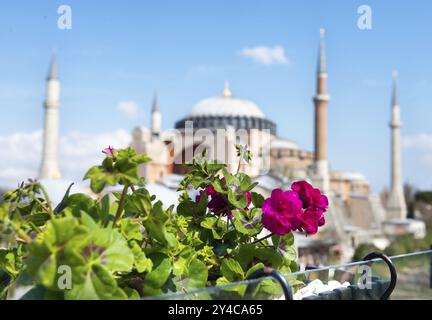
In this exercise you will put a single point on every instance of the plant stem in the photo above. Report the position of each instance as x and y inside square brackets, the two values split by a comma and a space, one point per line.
[48, 210]
[266, 237]
[121, 205]
[232, 223]
[24, 236]
[239, 164]
[47, 198]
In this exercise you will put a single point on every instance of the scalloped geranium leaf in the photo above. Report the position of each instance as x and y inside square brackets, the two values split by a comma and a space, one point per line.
[232, 270]
[194, 276]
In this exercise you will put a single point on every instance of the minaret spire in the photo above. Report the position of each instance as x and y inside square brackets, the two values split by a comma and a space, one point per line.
[53, 72]
[321, 101]
[156, 117]
[396, 206]
[395, 99]
[49, 168]
[155, 106]
[322, 65]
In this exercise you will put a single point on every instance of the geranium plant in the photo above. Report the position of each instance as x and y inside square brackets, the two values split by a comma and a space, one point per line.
[125, 245]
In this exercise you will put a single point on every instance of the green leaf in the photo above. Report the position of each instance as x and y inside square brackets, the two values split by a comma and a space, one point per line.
[257, 199]
[98, 284]
[141, 262]
[88, 221]
[218, 185]
[275, 240]
[138, 203]
[110, 249]
[79, 202]
[81, 247]
[251, 254]
[194, 276]
[290, 253]
[287, 240]
[238, 290]
[132, 294]
[156, 226]
[250, 226]
[162, 267]
[209, 223]
[246, 183]
[189, 208]
[232, 270]
[97, 178]
[254, 268]
[237, 200]
[8, 262]
[131, 230]
[230, 179]
[108, 164]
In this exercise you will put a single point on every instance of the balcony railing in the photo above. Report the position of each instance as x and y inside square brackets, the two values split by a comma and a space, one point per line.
[406, 276]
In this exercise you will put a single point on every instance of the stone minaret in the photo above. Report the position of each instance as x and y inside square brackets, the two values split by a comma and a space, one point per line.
[49, 168]
[156, 118]
[321, 101]
[396, 206]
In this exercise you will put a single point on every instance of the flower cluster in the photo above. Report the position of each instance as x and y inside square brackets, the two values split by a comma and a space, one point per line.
[218, 203]
[302, 208]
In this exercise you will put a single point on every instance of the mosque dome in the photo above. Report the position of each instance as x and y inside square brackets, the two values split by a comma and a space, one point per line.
[226, 106]
[227, 110]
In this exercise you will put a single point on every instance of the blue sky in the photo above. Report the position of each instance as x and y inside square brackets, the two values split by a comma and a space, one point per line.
[124, 51]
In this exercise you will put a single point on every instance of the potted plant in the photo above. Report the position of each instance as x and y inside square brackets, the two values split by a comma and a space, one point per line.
[130, 247]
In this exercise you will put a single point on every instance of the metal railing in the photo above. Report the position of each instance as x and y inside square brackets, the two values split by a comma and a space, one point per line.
[405, 276]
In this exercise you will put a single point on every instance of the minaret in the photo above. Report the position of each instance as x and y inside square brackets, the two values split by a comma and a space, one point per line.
[321, 101]
[396, 206]
[156, 117]
[49, 168]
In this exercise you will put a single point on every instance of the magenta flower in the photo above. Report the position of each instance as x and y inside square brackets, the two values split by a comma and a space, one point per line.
[311, 197]
[109, 151]
[311, 220]
[301, 208]
[280, 212]
[219, 204]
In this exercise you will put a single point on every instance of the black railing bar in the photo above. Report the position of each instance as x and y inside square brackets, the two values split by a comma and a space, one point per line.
[356, 263]
[210, 289]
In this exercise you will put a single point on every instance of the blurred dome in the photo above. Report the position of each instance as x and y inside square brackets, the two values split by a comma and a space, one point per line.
[220, 112]
[226, 106]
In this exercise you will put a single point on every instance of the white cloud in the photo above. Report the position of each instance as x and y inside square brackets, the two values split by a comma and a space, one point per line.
[130, 109]
[422, 141]
[266, 55]
[21, 154]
